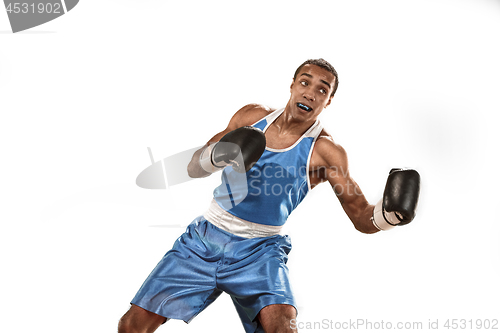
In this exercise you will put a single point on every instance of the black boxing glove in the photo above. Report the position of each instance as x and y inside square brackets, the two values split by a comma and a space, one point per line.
[399, 204]
[240, 148]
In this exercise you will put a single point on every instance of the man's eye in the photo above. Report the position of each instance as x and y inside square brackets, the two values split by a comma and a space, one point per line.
[304, 83]
[323, 91]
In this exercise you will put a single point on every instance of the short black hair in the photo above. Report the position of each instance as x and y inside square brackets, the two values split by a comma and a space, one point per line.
[323, 64]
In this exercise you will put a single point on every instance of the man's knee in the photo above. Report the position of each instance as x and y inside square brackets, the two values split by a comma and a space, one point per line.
[138, 320]
[277, 318]
[125, 325]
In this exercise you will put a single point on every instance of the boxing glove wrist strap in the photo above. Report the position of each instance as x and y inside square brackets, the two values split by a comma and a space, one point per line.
[206, 160]
[383, 220]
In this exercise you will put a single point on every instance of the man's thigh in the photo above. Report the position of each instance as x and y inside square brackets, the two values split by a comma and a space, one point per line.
[184, 281]
[138, 319]
[277, 318]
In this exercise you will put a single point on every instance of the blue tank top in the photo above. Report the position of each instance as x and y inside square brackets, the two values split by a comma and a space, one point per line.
[275, 185]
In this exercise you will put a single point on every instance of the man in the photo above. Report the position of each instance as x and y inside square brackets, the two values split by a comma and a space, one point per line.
[235, 246]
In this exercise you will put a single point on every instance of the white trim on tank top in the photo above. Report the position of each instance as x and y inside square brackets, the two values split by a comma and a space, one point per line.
[312, 132]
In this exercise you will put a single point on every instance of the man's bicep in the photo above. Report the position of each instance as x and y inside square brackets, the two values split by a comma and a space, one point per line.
[218, 136]
[243, 117]
[346, 189]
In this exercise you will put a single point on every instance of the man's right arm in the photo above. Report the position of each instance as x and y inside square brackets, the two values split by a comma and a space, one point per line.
[247, 115]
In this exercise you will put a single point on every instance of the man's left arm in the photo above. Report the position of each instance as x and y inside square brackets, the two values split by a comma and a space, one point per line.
[330, 162]
[398, 205]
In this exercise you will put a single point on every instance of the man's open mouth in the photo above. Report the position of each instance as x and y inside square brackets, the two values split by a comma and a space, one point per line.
[304, 107]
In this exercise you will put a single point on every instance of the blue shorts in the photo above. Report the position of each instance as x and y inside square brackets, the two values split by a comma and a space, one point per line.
[206, 261]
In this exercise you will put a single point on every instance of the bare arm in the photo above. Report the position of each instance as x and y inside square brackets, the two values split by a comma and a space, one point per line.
[331, 160]
[247, 115]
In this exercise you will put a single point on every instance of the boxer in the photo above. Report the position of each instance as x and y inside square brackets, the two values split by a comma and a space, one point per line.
[236, 246]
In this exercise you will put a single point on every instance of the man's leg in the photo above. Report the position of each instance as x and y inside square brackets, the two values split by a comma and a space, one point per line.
[276, 318]
[182, 284]
[138, 320]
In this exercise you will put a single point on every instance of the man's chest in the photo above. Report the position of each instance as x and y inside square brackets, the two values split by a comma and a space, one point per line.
[277, 140]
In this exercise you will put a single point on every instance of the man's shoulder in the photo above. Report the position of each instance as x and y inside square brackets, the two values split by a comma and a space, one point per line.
[250, 114]
[258, 108]
[255, 111]
[327, 149]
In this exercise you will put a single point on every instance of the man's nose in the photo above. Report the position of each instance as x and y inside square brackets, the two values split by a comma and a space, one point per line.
[309, 95]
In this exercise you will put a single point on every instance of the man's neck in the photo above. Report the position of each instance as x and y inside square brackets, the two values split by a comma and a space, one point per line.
[287, 124]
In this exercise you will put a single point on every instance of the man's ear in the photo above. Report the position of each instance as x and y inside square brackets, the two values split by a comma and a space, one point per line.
[329, 101]
[291, 86]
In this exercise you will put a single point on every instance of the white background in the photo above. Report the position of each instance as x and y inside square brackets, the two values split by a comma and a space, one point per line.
[83, 96]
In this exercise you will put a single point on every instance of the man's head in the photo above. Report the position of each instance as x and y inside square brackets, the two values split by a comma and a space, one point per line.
[323, 64]
[312, 89]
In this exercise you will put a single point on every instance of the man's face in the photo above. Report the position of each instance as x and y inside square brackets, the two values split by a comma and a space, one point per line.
[311, 92]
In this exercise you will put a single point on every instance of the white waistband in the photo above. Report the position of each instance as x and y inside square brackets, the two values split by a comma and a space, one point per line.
[239, 227]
